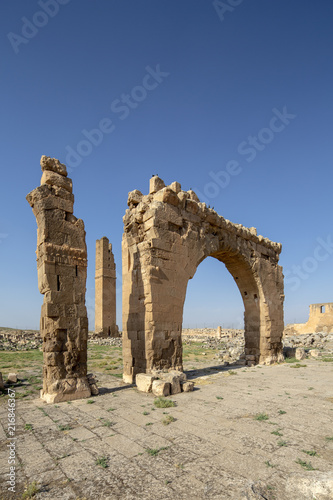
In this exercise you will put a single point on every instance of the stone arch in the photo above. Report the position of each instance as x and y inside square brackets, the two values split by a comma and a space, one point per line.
[167, 234]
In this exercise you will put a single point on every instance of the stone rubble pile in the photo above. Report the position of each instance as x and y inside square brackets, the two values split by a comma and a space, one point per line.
[24, 340]
[309, 340]
[309, 344]
[19, 340]
[95, 339]
[12, 378]
[163, 383]
[92, 381]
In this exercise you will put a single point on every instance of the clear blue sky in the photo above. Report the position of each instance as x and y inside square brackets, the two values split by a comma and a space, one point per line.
[220, 79]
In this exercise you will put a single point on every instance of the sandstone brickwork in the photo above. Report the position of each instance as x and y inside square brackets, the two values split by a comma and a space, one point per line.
[167, 234]
[105, 290]
[62, 271]
[320, 320]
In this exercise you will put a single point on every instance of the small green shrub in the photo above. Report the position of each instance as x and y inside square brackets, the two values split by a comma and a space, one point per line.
[164, 403]
[108, 423]
[155, 451]
[103, 462]
[28, 427]
[261, 417]
[277, 433]
[311, 453]
[30, 490]
[64, 427]
[167, 420]
[305, 465]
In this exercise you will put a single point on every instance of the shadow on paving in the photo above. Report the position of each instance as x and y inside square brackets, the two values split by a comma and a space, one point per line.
[108, 390]
[210, 370]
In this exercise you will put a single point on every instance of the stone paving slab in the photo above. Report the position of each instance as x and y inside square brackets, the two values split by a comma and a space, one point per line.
[215, 449]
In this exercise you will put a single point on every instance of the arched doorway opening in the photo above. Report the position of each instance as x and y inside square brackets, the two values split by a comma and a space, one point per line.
[168, 233]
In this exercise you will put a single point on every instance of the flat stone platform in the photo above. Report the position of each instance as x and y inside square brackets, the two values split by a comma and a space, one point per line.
[244, 433]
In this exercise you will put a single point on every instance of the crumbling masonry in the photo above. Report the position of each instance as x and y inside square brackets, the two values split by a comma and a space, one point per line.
[320, 320]
[167, 234]
[62, 271]
[105, 290]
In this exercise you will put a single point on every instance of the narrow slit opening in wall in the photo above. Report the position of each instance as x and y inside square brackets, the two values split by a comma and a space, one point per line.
[322, 309]
[58, 283]
[75, 270]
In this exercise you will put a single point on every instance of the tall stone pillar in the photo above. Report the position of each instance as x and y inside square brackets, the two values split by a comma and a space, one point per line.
[105, 290]
[62, 272]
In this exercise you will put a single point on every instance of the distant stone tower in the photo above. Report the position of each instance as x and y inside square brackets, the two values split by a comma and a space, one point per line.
[105, 290]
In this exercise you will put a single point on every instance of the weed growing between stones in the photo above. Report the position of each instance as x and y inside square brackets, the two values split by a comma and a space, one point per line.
[164, 403]
[155, 451]
[30, 490]
[167, 420]
[311, 453]
[305, 465]
[261, 416]
[103, 462]
[64, 427]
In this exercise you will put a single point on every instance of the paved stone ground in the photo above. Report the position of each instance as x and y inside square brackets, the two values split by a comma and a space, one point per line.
[215, 448]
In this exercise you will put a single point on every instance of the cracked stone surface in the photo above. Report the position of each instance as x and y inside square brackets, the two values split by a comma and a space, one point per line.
[214, 449]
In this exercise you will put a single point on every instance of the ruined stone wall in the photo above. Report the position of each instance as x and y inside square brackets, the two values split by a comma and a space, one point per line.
[167, 234]
[62, 271]
[105, 290]
[320, 320]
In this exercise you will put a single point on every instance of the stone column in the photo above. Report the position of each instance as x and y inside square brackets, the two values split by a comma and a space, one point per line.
[62, 272]
[105, 290]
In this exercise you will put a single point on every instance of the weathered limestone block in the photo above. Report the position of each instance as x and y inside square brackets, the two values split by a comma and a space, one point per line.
[314, 353]
[163, 244]
[174, 382]
[105, 290]
[161, 388]
[300, 353]
[155, 184]
[187, 386]
[54, 179]
[62, 271]
[12, 378]
[144, 382]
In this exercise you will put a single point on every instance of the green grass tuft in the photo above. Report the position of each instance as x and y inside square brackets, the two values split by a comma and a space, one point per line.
[261, 417]
[164, 403]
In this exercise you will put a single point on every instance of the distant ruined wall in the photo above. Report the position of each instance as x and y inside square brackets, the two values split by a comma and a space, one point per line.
[62, 271]
[320, 320]
[105, 290]
[167, 234]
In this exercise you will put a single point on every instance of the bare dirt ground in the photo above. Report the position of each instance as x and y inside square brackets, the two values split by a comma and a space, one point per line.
[244, 433]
